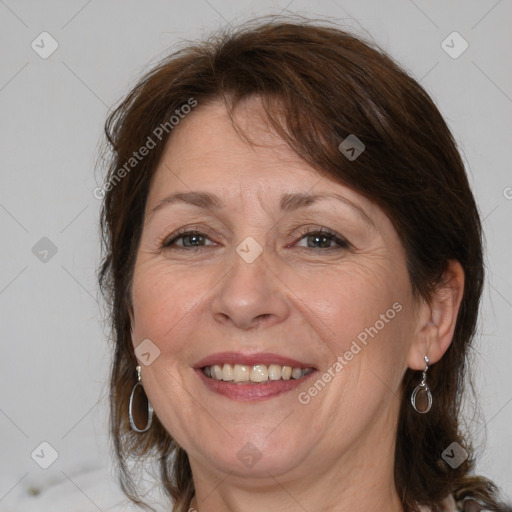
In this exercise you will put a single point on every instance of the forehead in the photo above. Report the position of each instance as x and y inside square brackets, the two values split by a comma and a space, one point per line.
[207, 158]
[209, 144]
[243, 161]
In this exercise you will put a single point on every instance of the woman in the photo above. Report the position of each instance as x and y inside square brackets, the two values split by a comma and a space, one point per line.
[293, 258]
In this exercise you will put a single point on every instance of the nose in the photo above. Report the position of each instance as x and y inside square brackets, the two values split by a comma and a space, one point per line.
[251, 295]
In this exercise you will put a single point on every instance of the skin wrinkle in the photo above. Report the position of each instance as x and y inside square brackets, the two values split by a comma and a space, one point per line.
[289, 202]
[163, 226]
[315, 305]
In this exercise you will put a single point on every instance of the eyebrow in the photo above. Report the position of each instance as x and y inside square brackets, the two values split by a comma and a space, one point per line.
[288, 203]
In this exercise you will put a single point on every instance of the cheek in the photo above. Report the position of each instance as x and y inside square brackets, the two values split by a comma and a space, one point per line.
[376, 330]
[165, 301]
[350, 302]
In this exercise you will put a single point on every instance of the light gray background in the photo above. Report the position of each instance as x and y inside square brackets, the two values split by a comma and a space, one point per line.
[55, 358]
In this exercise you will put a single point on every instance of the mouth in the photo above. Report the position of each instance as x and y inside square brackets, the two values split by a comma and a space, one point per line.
[258, 373]
[252, 377]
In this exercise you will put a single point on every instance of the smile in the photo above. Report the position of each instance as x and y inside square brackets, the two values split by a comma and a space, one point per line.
[252, 377]
[258, 373]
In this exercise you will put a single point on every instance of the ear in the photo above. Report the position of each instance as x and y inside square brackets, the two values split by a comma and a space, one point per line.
[436, 319]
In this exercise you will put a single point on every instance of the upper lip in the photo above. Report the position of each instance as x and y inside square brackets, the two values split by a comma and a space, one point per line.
[265, 358]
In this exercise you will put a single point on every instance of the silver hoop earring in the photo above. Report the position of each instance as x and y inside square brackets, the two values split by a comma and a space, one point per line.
[138, 385]
[421, 398]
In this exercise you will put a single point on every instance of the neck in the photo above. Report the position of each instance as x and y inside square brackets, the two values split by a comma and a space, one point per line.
[362, 479]
[273, 494]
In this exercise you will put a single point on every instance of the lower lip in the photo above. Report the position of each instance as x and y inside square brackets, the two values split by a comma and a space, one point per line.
[252, 391]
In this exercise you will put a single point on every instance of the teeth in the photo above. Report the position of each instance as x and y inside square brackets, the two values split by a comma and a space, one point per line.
[242, 373]
[227, 372]
[217, 372]
[274, 372]
[296, 373]
[259, 373]
[256, 373]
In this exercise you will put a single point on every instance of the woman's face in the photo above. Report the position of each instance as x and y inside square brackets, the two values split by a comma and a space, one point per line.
[256, 287]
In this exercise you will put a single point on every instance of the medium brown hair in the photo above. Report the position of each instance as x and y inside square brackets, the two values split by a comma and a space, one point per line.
[318, 84]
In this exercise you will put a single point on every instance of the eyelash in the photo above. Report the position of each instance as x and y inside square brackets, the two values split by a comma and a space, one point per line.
[169, 241]
[324, 232]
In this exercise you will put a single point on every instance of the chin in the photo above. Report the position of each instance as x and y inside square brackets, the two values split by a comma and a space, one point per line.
[257, 456]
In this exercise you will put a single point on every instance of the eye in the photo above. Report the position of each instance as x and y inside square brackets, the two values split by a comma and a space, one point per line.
[190, 239]
[320, 238]
[323, 238]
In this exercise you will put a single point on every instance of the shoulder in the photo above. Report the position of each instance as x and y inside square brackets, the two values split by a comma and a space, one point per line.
[449, 505]
[466, 505]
